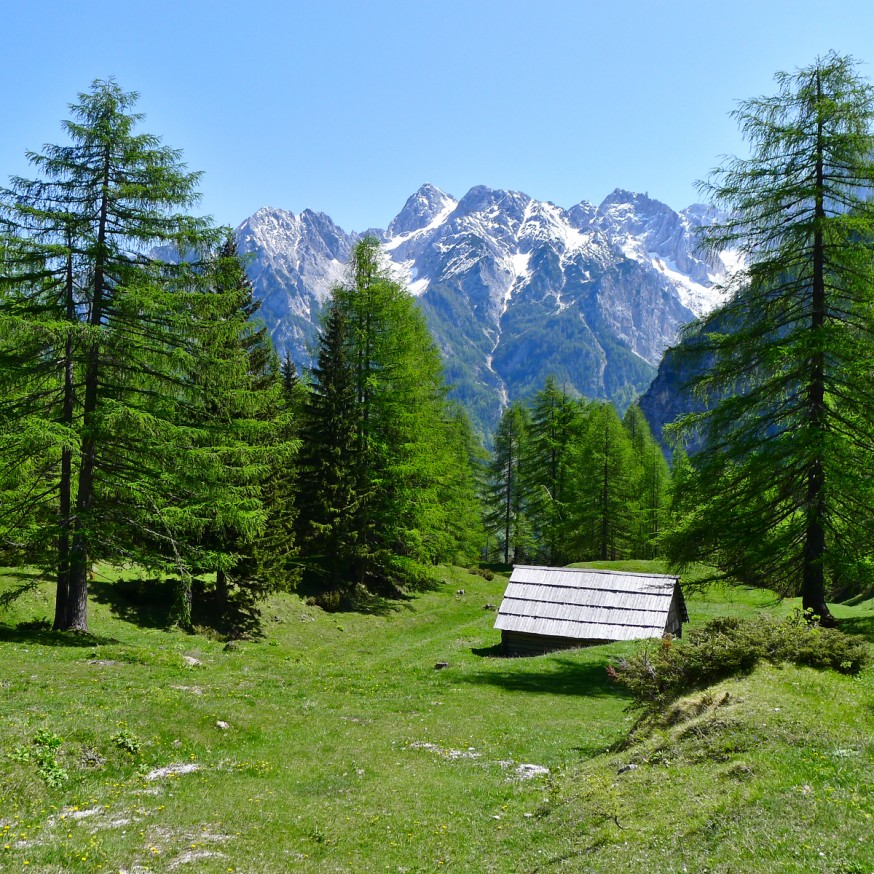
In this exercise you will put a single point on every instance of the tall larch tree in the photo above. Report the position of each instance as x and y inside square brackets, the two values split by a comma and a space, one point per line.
[653, 486]
[601, 517]
[555, 424]
[780, 494]
[104, 410]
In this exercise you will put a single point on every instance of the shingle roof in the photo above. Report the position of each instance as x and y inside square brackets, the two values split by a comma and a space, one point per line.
[588, 604]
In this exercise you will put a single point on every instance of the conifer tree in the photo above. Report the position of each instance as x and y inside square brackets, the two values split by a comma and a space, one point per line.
[327, 479]
[276, 551]
[601, 518]
[778, 495]
[652, 485]
[377, 481]
[459, 518]
[251, 425]
[107, 405]
[555, 425]
[507, 477]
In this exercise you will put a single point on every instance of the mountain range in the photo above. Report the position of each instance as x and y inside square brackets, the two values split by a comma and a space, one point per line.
[513, 289]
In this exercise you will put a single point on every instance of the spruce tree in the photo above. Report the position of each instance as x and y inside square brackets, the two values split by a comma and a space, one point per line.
[380, 464]
[250, 426]
[779, 496]
[327, 480]
[508, 504]
[555, 425]
[276, 551]
[601, 517]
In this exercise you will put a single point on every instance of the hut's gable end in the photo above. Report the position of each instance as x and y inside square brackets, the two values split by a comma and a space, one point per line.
[575, 607]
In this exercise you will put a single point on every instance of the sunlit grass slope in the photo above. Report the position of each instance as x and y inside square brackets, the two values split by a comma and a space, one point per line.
[346, 749]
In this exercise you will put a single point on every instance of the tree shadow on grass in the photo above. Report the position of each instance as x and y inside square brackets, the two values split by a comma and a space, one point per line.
[144, 603]
[564, 677]
[863, 626]
[41, 634]
[150, 603]
[357, 599]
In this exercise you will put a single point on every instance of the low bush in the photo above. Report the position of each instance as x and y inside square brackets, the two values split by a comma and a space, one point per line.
[485, 573]
[730, 646]
[330, 602]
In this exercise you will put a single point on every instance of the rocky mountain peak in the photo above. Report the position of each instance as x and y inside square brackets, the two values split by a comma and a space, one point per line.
[493, 202]
[581, 214]
[428, 204]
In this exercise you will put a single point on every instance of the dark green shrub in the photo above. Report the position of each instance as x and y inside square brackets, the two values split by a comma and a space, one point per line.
[330, 602]
[485, 573]
[727, 647]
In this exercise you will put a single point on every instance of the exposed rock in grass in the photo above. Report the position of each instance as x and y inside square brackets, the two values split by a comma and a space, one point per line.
[527, 771]
[194, 856]
[172, 770]
[194, 690]
[90, 758]
[469, 753]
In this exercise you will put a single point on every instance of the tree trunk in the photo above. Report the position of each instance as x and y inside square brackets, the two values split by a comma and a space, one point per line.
[80, 559]
[182, 606]
[221, 592]
[813, 576]
[62, 595]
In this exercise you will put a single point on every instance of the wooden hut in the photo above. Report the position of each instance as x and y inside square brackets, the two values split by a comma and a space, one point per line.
[549, 608]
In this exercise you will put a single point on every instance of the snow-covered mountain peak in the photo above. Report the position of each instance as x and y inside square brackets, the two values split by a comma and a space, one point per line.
[580, 215]
[544, 223]
[631, 213]
[427, 207]
[493, 202]
[701, 214]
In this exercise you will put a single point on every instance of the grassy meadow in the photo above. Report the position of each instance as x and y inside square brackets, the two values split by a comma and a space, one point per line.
[334, 744]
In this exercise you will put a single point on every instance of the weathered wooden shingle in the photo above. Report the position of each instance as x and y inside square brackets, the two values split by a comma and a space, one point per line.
[577, 606]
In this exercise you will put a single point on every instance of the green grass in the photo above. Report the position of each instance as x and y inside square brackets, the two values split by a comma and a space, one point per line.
[347, 750]
[771, 772]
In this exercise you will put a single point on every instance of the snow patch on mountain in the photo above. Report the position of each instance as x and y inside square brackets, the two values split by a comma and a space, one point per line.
[394, 242]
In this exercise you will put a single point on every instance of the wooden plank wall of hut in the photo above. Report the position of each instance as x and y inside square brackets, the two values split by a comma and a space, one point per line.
[519, 643]
[674, 625]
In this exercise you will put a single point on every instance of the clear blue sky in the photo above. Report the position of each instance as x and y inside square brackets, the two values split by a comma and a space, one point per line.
[347, 107]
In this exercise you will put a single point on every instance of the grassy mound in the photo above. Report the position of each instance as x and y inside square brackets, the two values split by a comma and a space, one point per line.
[769, 772]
